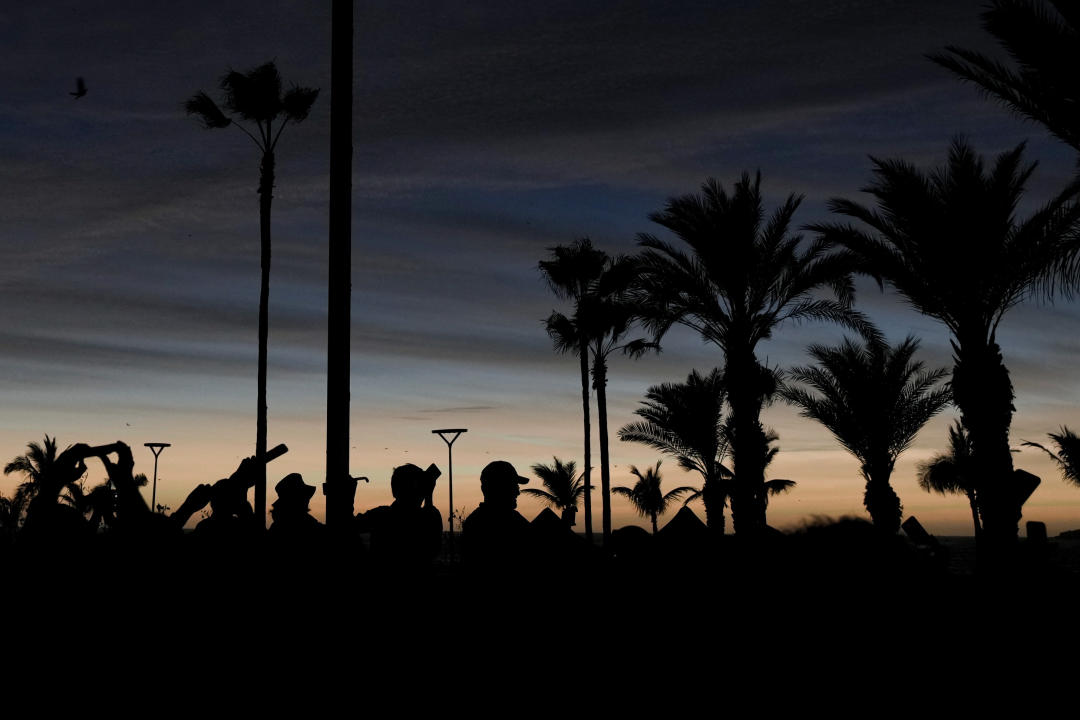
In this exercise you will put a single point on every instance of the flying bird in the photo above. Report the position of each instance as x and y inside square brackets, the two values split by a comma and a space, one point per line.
[80, 88]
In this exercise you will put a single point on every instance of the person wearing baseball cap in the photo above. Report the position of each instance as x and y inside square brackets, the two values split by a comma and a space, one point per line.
[495, 535]
[499, 483]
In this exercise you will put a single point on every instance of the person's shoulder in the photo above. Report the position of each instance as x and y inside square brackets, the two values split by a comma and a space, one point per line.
[376, 512]
[477, 516]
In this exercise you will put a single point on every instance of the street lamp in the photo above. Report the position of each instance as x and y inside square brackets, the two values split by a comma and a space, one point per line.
[156, 448]
[454, 433]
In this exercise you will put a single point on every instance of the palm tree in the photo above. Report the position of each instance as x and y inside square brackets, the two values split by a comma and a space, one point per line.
[1044, 45]
[256, 98]
[725, 488]
[953, 473]
[874, 399]
[606, 317]
[563, 487]
[647, 497]
[950, 243]
[35, 466]
[742, 279]
[686, 421]
[1067, 456]
[9, 516]
[571, 272]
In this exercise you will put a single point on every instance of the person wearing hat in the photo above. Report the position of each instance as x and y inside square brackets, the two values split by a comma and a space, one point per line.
[495, 536]
[291, 514]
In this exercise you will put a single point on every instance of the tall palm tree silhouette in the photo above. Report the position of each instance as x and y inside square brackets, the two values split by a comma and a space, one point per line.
[571, 271]
[874, 399]
[1044, 45]
[646, 495]
[953, 473]
[949, 242]
[607, 316]
[1067, 457]
[563, 487]
[742, 278]
[255, 97]
[686, 421]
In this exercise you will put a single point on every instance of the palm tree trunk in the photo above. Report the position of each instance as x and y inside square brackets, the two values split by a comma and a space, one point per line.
[654, 528]
[714, 507]
[748, 459]
[881, 501]
[600, 384]
[975, 513]
[584, 352]
[266, 196]
[984, 394]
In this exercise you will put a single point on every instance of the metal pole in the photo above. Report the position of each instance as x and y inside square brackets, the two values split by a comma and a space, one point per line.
[156, 448]
[450, 462]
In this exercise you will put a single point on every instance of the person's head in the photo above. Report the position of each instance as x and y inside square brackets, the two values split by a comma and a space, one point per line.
[293, 495]
[499, 482]
[226, 497]
[406, 484]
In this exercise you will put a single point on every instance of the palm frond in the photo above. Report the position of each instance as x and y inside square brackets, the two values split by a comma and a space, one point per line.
[298, 101]
[211, 115]
[1067, 456]
[254, 95]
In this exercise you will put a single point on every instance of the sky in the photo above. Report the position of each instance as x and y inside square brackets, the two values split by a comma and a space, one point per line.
[485, 133]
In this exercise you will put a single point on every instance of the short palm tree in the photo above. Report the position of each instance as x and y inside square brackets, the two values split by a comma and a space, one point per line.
[571, 271]
[1043, 41]
[949, 241]
[743, 278]
[686, 421]
[723, 489]
[563, 487]
[256, 98]
[874, 398]
[953, 473]
[1067, 456]
[35, 466]
[647, 497]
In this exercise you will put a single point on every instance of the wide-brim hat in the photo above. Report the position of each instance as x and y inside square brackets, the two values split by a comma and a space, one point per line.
[293, 488]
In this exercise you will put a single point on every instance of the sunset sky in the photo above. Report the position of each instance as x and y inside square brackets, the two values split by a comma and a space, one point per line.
[485, 133]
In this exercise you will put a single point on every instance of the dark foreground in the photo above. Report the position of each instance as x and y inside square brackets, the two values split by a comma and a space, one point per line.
[803, 620]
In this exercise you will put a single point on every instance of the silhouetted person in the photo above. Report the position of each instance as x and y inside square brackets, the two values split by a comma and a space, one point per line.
[231, 516]
[407, 534]
[80, 88]
[495, 537]
[197, 499]
[291, 514]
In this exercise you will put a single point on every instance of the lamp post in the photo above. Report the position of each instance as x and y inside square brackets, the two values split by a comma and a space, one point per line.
[454, 433]
[156, 448]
